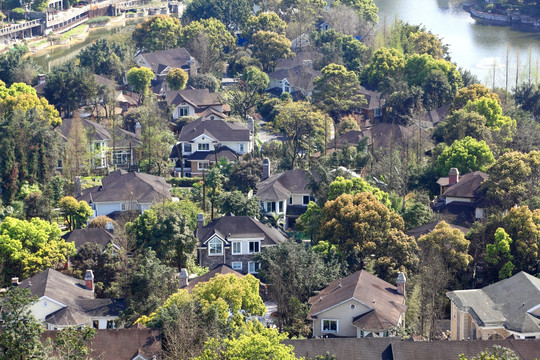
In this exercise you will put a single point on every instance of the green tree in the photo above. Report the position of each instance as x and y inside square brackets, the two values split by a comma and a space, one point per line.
[77, 159]
[354, 186]
[105, 57]
[462, 123]
[232, 13]
[161, 32]
[204, 81]
[177, 79]
[263, 21]
[75, 212]
[269, 47]
[214, 184]
[472, 93]
[424, 42]
[416, 214]
[139, 79]
[10, 61]
[497, 353]
[245, 175]
[404, 104]
[385, 63]
[366, 8]
[466, 155]
[499, 255]
[294, 272]
[340, 49]
[503, 126]
[337, 91]
[20, 338]
[238, 204]
[72, 344]
[245, 95]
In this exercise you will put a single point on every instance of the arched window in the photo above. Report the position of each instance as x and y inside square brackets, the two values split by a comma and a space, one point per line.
[215, 247]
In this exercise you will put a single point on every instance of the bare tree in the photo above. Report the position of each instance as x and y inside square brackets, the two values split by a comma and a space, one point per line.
[343, 19]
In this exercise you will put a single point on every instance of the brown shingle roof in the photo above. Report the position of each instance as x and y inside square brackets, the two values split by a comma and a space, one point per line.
[97, 236]
[427, 228]
[467, 186]
[299, 59]
[220, 130]
[196, 97]
[374, 99]
[173, 58]
[300, 77]
[220, 270]
[281, 186]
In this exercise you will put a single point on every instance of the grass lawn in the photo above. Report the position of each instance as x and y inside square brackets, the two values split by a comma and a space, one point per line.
[81, 29]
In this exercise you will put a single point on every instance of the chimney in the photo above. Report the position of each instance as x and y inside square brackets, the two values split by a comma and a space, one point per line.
[400, 283]
[77, 186]
[41, 79]
[138, 129]
[453, 176]
[109, 226]
[15, 281]
[200, 220]
[265, 169]
[89, 280]
[250, 124]
[184, 278]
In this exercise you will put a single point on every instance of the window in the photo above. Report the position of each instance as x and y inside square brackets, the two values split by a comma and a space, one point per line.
[290, 200]
[237, 265]
[111, 324]
[187, 148]
[305, 200]
[281, 206]
[95, 324]
[203, 166]
[215, 247]
[286, 87]
[203, 147]
[254, 247]
[183, 111]
[330, 326]
[241, 147]
[253, 267]
[270, 206]
[378, 112]
[236, 247]
[122, 157]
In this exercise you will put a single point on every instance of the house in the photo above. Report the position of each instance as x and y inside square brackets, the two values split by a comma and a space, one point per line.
[358, 305]
[234, 241]
[506, 309]
[65, 301]
[285, 194]
[122, 152]
[301, 58]
[98, 236]
[297, 81]
[208, 139]
[375, 103]
[186, 283]
[461, 193]
[427, 228]
[125, 191]
[194, 102]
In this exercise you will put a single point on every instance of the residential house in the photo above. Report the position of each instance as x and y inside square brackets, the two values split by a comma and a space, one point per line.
[98, 236]
[506, 309]
[122, 152]
[427, 228]
[296, 80]
[301, 58]
[65, 301]
[350, 138]
[375, 103]
[358, 305]
[234, 241]
[160, 62]
[208, 139]
[195, 103]
[189, 284]
[125, 191]
[460, 194]
[284, 195]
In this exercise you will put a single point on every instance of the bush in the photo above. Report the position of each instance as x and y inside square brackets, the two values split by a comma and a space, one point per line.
[183, 182]
[17, 13]
[99, 20]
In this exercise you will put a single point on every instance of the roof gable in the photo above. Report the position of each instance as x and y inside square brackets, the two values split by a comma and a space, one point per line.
[467, 186]
[281, 186]
[220, 130]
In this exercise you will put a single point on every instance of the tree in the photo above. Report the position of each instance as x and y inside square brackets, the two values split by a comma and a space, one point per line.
[366, 8]
[404, 104]
[264, 21]
[361, 226]
[385, 63]
[164, 229]
[204, 81]
[244, 95]
[139, 79]
[20, 338]
[77, 159]
[462, 123]
[232, 13]
[177, 79]
[338, 91]
[294, 271]
[527, 96]
[498, 253]
[161, 32]
[105, 57]
[238, 204]
[342, 49]
[498, 353]
[345, 20]
[424, 42]
[503, 126]
[472, 93]
[416, 214]
[354, 186]
[213, 182]
[28, 247]
[467, 155]
[101, 222]
[75, 212]
[245, 175]
[269, 47]
[10, 61]
[72, 344]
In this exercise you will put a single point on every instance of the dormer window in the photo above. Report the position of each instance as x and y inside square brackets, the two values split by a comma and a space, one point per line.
[183, 111]
[215, 247]
[203, 147]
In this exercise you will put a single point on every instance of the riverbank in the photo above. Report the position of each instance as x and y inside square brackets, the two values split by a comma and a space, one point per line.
[512, 19]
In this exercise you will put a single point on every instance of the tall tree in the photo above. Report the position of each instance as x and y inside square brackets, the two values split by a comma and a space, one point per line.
[264, 21]
[499, 255]
[238, 204]
[161, 32]
[269, 47]
[139, 79]
[75, 212]
[466, 155]
[77, 159]
[232, 13]
[177, 79]
[385, 63]
[106, 57]
[245, 95]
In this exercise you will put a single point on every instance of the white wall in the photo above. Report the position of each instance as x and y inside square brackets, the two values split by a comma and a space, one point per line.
[107, 208]
[450, 199]
[344, 314]
[44, 307]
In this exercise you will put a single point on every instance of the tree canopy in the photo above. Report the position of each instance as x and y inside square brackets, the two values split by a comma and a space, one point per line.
[160, 32]
[466, 155]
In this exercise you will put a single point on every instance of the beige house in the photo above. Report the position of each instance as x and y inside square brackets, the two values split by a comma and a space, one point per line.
[509, 308]
[359, 305]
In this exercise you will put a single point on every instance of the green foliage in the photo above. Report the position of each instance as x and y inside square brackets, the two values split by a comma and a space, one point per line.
[177, 79]
[354, 186]
[366, 8]
[416, 214]
[204, 81]
[161, 32]
[183, 182]
[269, 47]
[340, 49]
[238, 204]
[73, 344]
[244, 175]
[232, 13]
[11, 61]
[75, 212]
[139, 79]
[266, 21]
[105, 57]
[490, 108]
[245, 95]
[497, 353]
[385, 63]
[498, 253]
[466, 155]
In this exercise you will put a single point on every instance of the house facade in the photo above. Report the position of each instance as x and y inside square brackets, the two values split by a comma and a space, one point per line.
[209, 139]
[234, 241]
[297, 81]
[359, 305]
[509, 308]
[375, 104]
[195, 103]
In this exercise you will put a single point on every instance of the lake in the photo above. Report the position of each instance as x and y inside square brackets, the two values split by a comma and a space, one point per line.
[473, 46]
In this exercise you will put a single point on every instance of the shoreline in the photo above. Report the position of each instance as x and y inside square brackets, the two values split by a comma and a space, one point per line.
[515, 21]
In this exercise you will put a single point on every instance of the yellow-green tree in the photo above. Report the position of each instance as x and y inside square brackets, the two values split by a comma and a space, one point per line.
[160, 32]
[499, 254]
[177, 79]
[139, 79]
[75, 212]
[269, 47]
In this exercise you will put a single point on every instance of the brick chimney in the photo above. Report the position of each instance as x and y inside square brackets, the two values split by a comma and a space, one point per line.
[453, 176]
[184, 278]
[41, 78]
[89, 280]
[14, 281]
[200, 220]
[400, 283]
[265, 169]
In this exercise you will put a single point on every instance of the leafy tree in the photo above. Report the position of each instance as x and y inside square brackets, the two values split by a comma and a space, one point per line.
[72, 344]
[266, 21]
[10, 61]
[37, 205]
[366, 8]
[245, 175]
[354, 186]
[105, 57]
[340, 49]
[498, 353]
[161, 32]
[424, 42]
[527, 96]
[498, 253]
[416, 214]
[244, 95]
[472, 93]
[77, 159]
[177, 79]
[338, 91]
[232, 13]
[361, 226]
[269, 47]
[241, 60]
[294, 271]
[28, 247]
[139, 79]
[75, 212]
[462, 123]
[164, 229]
[204, 81]
[385, 63]
[238, 204]
[214, 183]
[404, 104]
[466, 155]
[20, 338]
[503, 126]
[101, 222]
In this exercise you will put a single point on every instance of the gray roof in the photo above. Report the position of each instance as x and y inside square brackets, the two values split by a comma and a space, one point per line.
[97, 236]
[427, 228]
[281, 186]
[220, 269]
[173, 58]
[344, 348]
[240, 227]
[467, 185]
[505, 303]
[300, 77]
[219, 130]
[300, 59]
[67, 316]
[196, 97]
[102, 307]
[374, 99]
[128, 186]
[223, 153]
